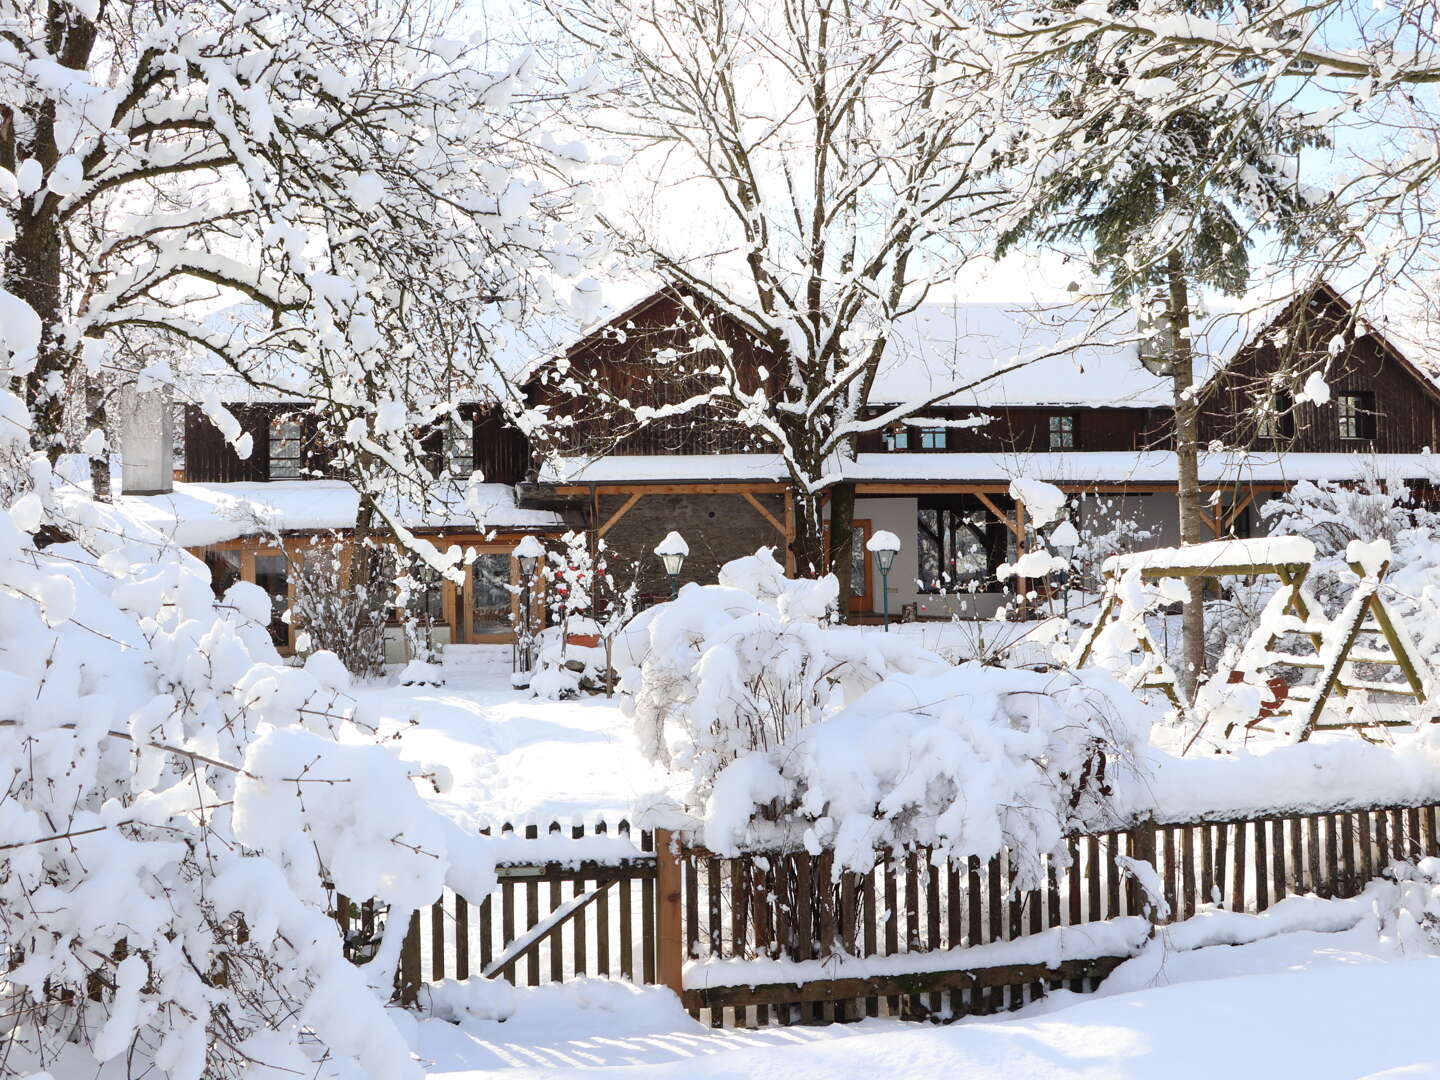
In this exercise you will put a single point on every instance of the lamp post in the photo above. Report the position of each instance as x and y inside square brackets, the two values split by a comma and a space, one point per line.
[672, 551]
[1065, 538]
[884, 546]
[528, 554]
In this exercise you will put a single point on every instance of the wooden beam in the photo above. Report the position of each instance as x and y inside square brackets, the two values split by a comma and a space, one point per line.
[714, 997]
[624, 509]
[989, 504]
[763, 512]
[1238, 509]
[790, 532]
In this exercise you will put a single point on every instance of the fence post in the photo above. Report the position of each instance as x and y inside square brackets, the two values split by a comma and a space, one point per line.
[1144, 847]
[669, 944]
[407, 981]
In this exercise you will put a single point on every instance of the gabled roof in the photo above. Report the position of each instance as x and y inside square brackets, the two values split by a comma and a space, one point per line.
[1229, 335]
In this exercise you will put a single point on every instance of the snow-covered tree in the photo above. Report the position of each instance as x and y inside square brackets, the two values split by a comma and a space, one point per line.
[1357, 72]
[837, 183]
[792, 734]
[177, 806]
[1164, 204]
[352, 179]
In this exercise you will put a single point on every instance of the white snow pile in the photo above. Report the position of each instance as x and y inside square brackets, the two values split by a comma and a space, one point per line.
[792, 732]
[173, 802]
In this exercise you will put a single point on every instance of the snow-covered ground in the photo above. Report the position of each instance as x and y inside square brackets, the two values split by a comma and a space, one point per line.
[1304, 1005]
[516, 758]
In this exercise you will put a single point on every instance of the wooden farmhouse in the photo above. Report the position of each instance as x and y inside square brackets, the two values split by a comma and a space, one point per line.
[1094, 420]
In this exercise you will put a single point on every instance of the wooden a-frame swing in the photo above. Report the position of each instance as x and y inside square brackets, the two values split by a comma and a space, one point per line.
[1334, 643]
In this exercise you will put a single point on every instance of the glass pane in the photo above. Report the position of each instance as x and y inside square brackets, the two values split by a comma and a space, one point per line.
[272, 573]
[284, 450]
[489, 597]
[857, 561]
[224, 570]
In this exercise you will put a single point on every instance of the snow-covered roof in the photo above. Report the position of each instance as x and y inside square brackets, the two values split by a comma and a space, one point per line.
[199, 514]
[1073, 354]
[1066, 467]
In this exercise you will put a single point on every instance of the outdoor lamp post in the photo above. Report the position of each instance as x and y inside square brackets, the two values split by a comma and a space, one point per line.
[1065, 538]
[672, 551]
[528, 554]
[885, 546]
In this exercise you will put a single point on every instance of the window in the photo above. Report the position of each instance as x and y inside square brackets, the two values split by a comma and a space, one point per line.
[898, 439]
[490, 595]
[224, 569]
[460, 449]
[272, 573]
[426, 598]
[1357, 414]
[1062, 433]
[1278, 423]
[954, 548]
[932, 438]
[285, 438]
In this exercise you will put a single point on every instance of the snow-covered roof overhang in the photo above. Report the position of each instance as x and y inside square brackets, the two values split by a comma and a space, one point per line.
[198, 514]
[1077, 468]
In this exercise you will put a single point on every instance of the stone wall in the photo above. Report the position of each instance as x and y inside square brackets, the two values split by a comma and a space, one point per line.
[718, 528]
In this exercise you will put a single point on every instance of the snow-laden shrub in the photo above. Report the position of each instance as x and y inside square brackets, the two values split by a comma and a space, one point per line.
[746, 664]
[793, 733]
[1409, 912]
[174, 802]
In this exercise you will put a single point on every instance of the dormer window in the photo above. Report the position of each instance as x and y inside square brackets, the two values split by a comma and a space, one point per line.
[932, 438]
[1062, 432]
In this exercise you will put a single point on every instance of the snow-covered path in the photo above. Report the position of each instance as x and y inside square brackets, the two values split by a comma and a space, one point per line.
[1310, 1006]
[515, 758]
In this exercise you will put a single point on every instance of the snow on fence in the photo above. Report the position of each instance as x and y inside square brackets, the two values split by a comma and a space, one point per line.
[775, 937]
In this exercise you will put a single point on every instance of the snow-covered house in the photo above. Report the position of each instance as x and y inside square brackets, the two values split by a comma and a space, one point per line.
[1092, 419]
[251, 518]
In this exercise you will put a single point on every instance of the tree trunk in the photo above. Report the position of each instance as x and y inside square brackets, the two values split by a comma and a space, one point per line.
[842, 542]
[1187, 454]
[99, 464]
[809, 542]
[33, 263]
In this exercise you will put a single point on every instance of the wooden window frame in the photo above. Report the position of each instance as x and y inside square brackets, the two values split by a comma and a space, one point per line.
[1356, 407]
[1067, 429]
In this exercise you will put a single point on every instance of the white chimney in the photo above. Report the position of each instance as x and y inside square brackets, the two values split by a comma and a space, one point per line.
[147, 441]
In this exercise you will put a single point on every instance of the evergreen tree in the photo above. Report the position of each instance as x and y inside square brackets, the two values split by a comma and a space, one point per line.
[1166, 201]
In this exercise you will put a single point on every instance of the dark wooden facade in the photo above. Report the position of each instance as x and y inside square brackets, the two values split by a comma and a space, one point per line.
[642, 357]
[502, 453]
[1403, 403]
[646, 356]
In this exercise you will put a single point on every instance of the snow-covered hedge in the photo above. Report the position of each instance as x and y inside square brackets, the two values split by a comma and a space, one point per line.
[173, 802]
[792, 732]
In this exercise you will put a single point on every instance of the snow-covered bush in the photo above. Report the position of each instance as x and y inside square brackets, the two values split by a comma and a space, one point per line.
[176, 805]
[335, 614]
[588, 609]
[1409, 912]
[793, 733]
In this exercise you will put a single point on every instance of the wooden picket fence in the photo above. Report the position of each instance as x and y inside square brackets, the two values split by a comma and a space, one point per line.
[641, 917]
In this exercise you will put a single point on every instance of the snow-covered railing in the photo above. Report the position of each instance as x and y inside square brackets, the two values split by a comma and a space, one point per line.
[1217, 557]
